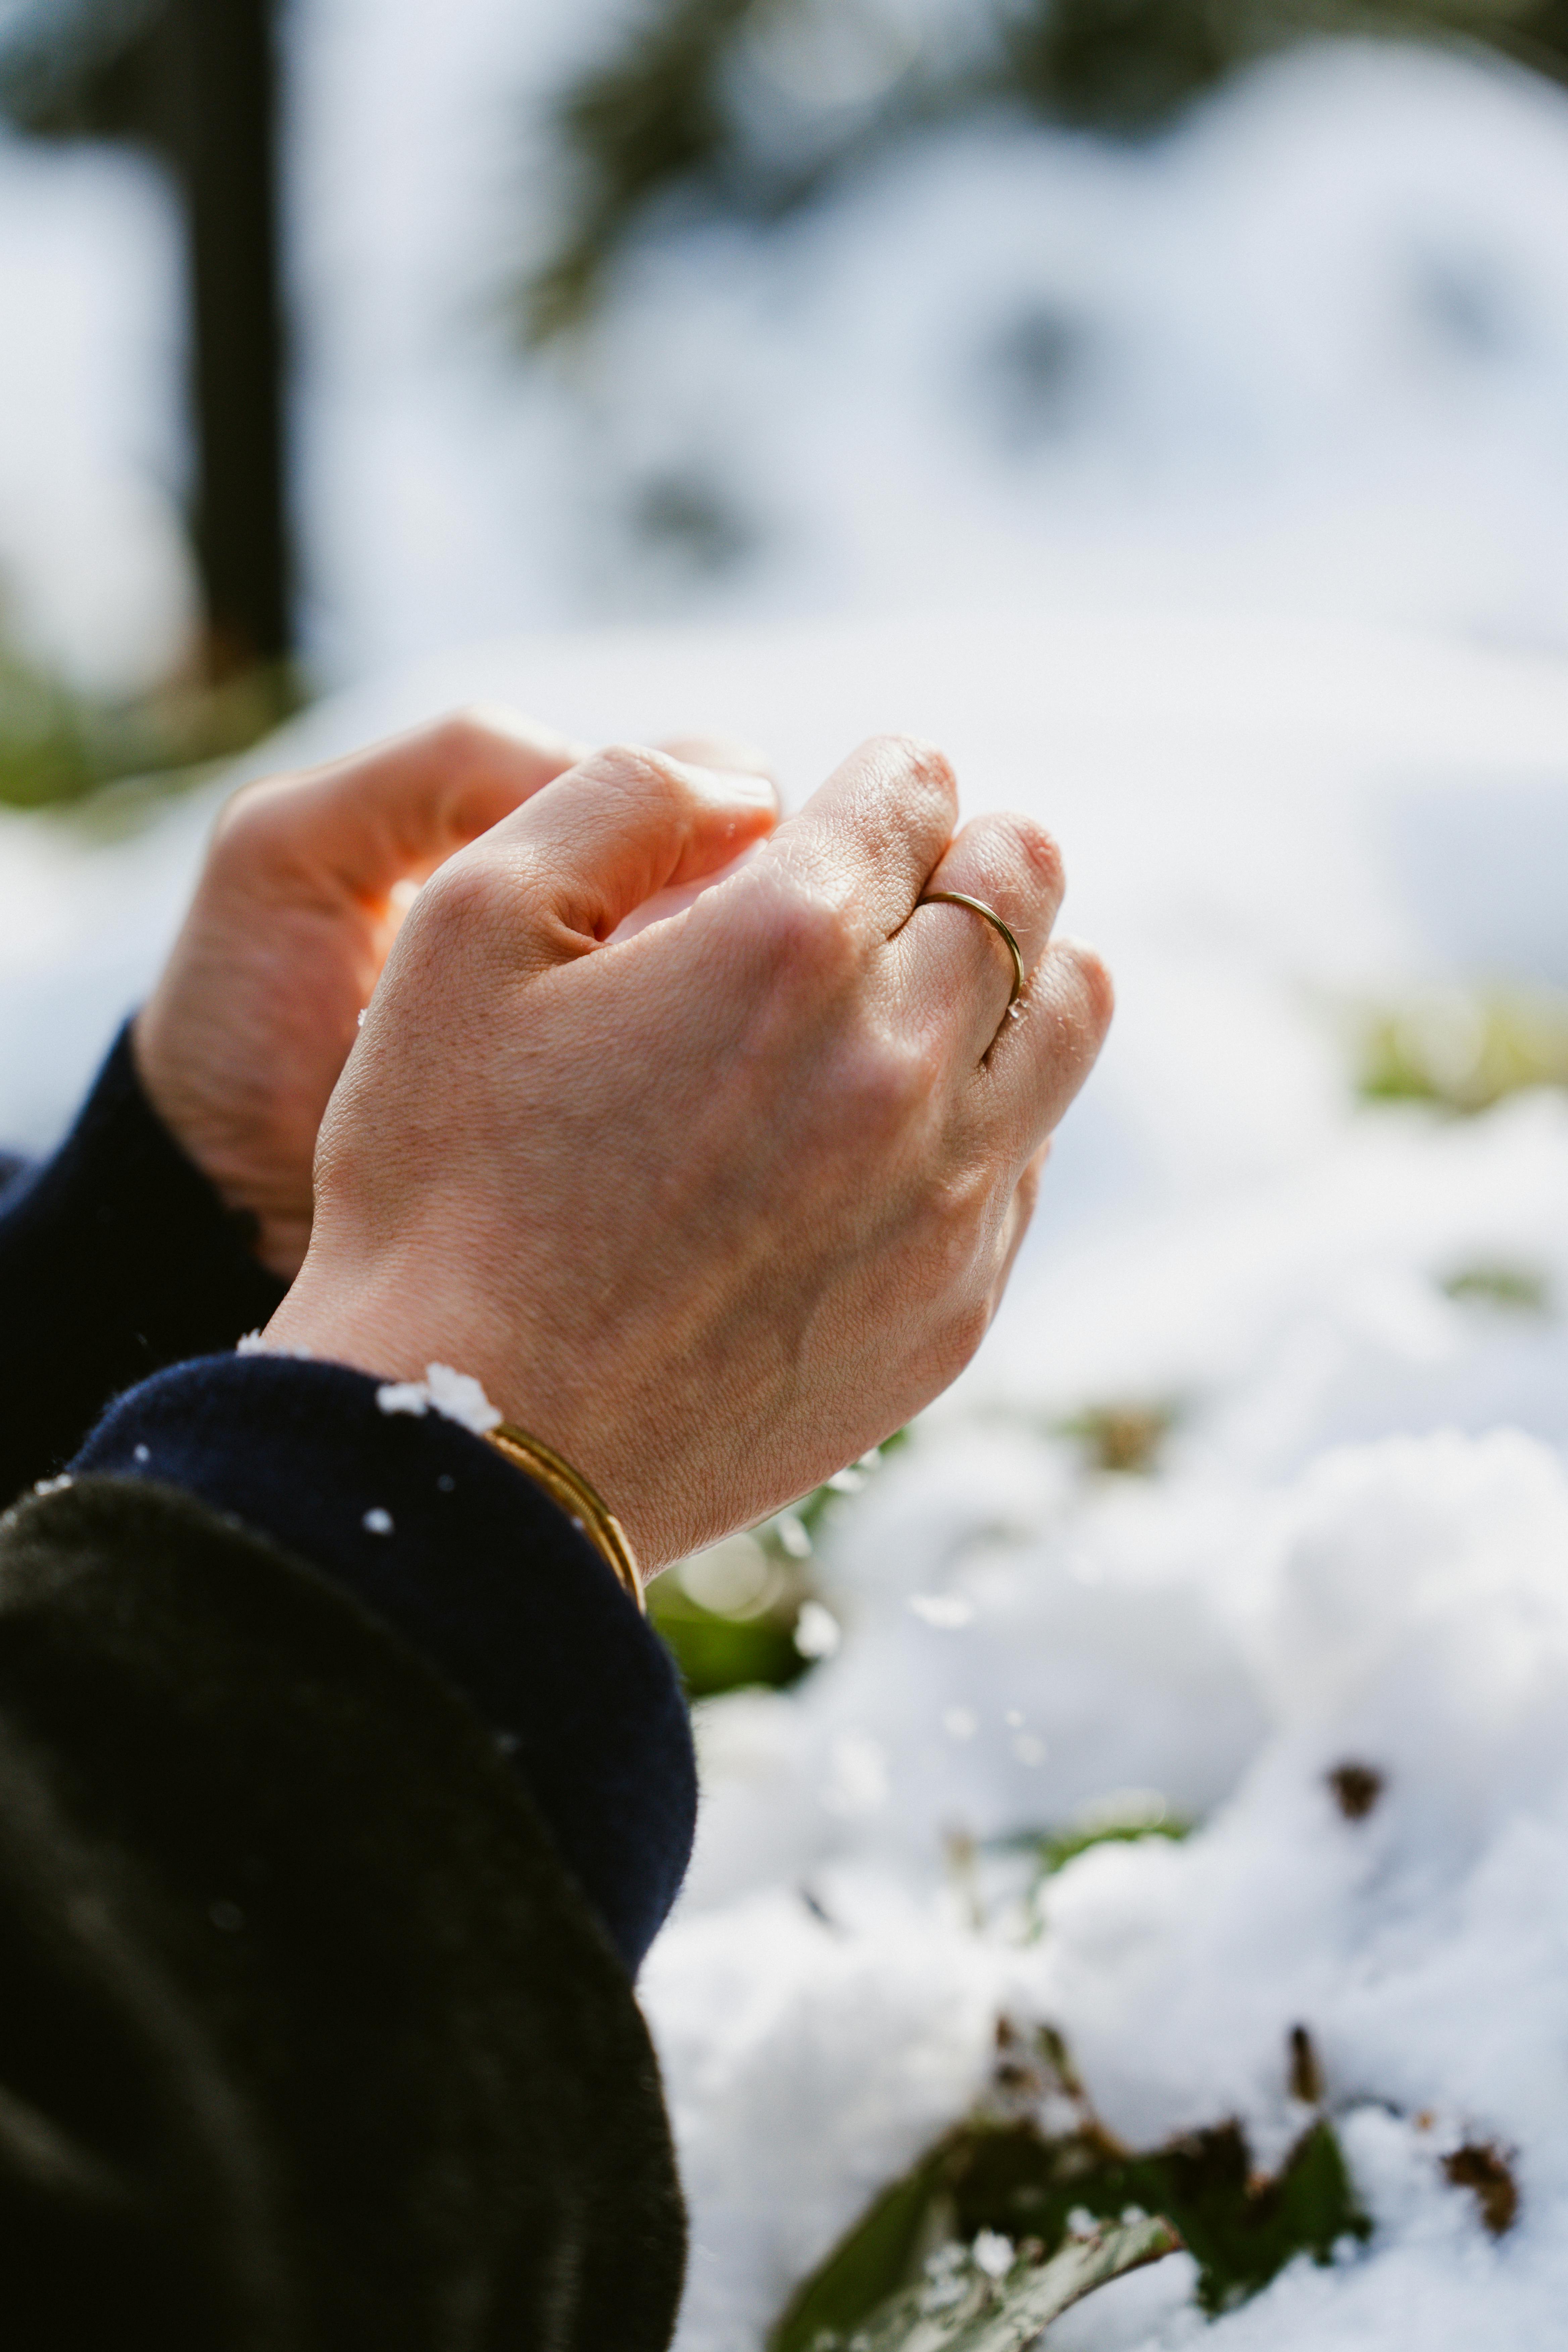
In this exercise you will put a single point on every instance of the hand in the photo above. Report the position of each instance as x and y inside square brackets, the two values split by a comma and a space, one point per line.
[714, 1208]
[242, 1039]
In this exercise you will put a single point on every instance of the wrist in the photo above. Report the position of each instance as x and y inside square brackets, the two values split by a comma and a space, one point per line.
[369, 1329]
[218, 1146]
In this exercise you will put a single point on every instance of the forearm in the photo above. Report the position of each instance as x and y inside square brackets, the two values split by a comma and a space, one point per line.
[477, 1571]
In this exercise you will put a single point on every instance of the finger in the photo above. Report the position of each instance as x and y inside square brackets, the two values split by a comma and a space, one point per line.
[953, 969]
[870, 836]
[1043, 1055]
[727, 754]
[622, 824]
[394, 812]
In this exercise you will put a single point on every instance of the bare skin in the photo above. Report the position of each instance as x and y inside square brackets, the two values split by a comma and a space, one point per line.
[242, 1039]
[713, 1209]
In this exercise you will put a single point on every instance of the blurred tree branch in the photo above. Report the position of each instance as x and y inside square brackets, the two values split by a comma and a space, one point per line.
[669, 121]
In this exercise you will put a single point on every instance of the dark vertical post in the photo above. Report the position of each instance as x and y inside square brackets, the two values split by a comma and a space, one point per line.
[225, 72]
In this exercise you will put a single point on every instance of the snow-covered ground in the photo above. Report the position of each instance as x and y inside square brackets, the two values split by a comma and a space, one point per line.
[1353, 1549]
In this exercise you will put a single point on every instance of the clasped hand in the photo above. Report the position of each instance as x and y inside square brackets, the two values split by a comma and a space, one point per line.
[712, 1209]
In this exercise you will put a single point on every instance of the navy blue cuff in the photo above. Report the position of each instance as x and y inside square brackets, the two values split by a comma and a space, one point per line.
[117, 1257]
[476, 1568]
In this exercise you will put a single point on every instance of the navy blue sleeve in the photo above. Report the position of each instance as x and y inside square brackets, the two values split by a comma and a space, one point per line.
[475, 1566]
[116, 1258]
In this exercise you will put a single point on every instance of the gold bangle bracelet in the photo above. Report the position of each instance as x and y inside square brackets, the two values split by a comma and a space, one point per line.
[583, 1504]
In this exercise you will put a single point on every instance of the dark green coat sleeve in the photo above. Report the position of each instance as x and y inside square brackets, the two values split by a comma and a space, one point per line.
[307, 2039]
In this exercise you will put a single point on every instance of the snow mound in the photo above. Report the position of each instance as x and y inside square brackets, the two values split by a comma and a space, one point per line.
[1346, 1663]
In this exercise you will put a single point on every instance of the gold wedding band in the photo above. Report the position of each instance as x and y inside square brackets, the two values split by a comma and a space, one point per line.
[979, 907]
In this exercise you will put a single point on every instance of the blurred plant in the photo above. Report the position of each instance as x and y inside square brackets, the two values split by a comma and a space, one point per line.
[1124, 1439]
[1463, 1049]
[58, 746]
[1120, 1818]
[751, 108]
[989, 2297]
[1516, 1289]
[1124, 1818]
[1035, 2170]
[747, 1610]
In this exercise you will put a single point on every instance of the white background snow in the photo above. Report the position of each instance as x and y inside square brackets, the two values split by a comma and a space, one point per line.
[1265, 623]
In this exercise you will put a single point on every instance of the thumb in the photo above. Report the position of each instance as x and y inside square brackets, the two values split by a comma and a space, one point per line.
[623, 823]
[394, 812]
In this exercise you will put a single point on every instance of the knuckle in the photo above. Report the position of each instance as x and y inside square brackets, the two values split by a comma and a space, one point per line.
[1095, 987]
[464, 894]
[639, 772]
[1039, 855]
[808, 937]
[254, 820]
[886, 1090]
[467, 739]
[924, 763]
[952, 1239]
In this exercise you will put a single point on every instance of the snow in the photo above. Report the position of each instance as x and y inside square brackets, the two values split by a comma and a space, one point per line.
[456, 1395]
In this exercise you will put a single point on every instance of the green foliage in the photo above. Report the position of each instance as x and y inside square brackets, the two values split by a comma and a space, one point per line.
[1123, 1438]
[865, 2268]
[679, 116]
[1464, 1049]
[58, 747]
[1058, 1848]
[1003, 2173]
[720, 1650]
[646, 121]
[960, 2306]
[1516, 1289]
[1121, 1819]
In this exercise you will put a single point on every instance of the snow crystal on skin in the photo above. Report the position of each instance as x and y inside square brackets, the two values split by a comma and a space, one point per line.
[377, 1522]
[457, 1396]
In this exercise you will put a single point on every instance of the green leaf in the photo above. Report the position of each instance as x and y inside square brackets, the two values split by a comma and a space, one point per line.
[1009, 2316]
[865, 2267]
[1000, 2173]
[715, 1653]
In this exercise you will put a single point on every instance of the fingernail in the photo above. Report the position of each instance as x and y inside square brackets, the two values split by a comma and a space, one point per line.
[731, 784]
[721, 752]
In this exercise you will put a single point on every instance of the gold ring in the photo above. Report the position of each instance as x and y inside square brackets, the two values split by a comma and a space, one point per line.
[979, 907]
